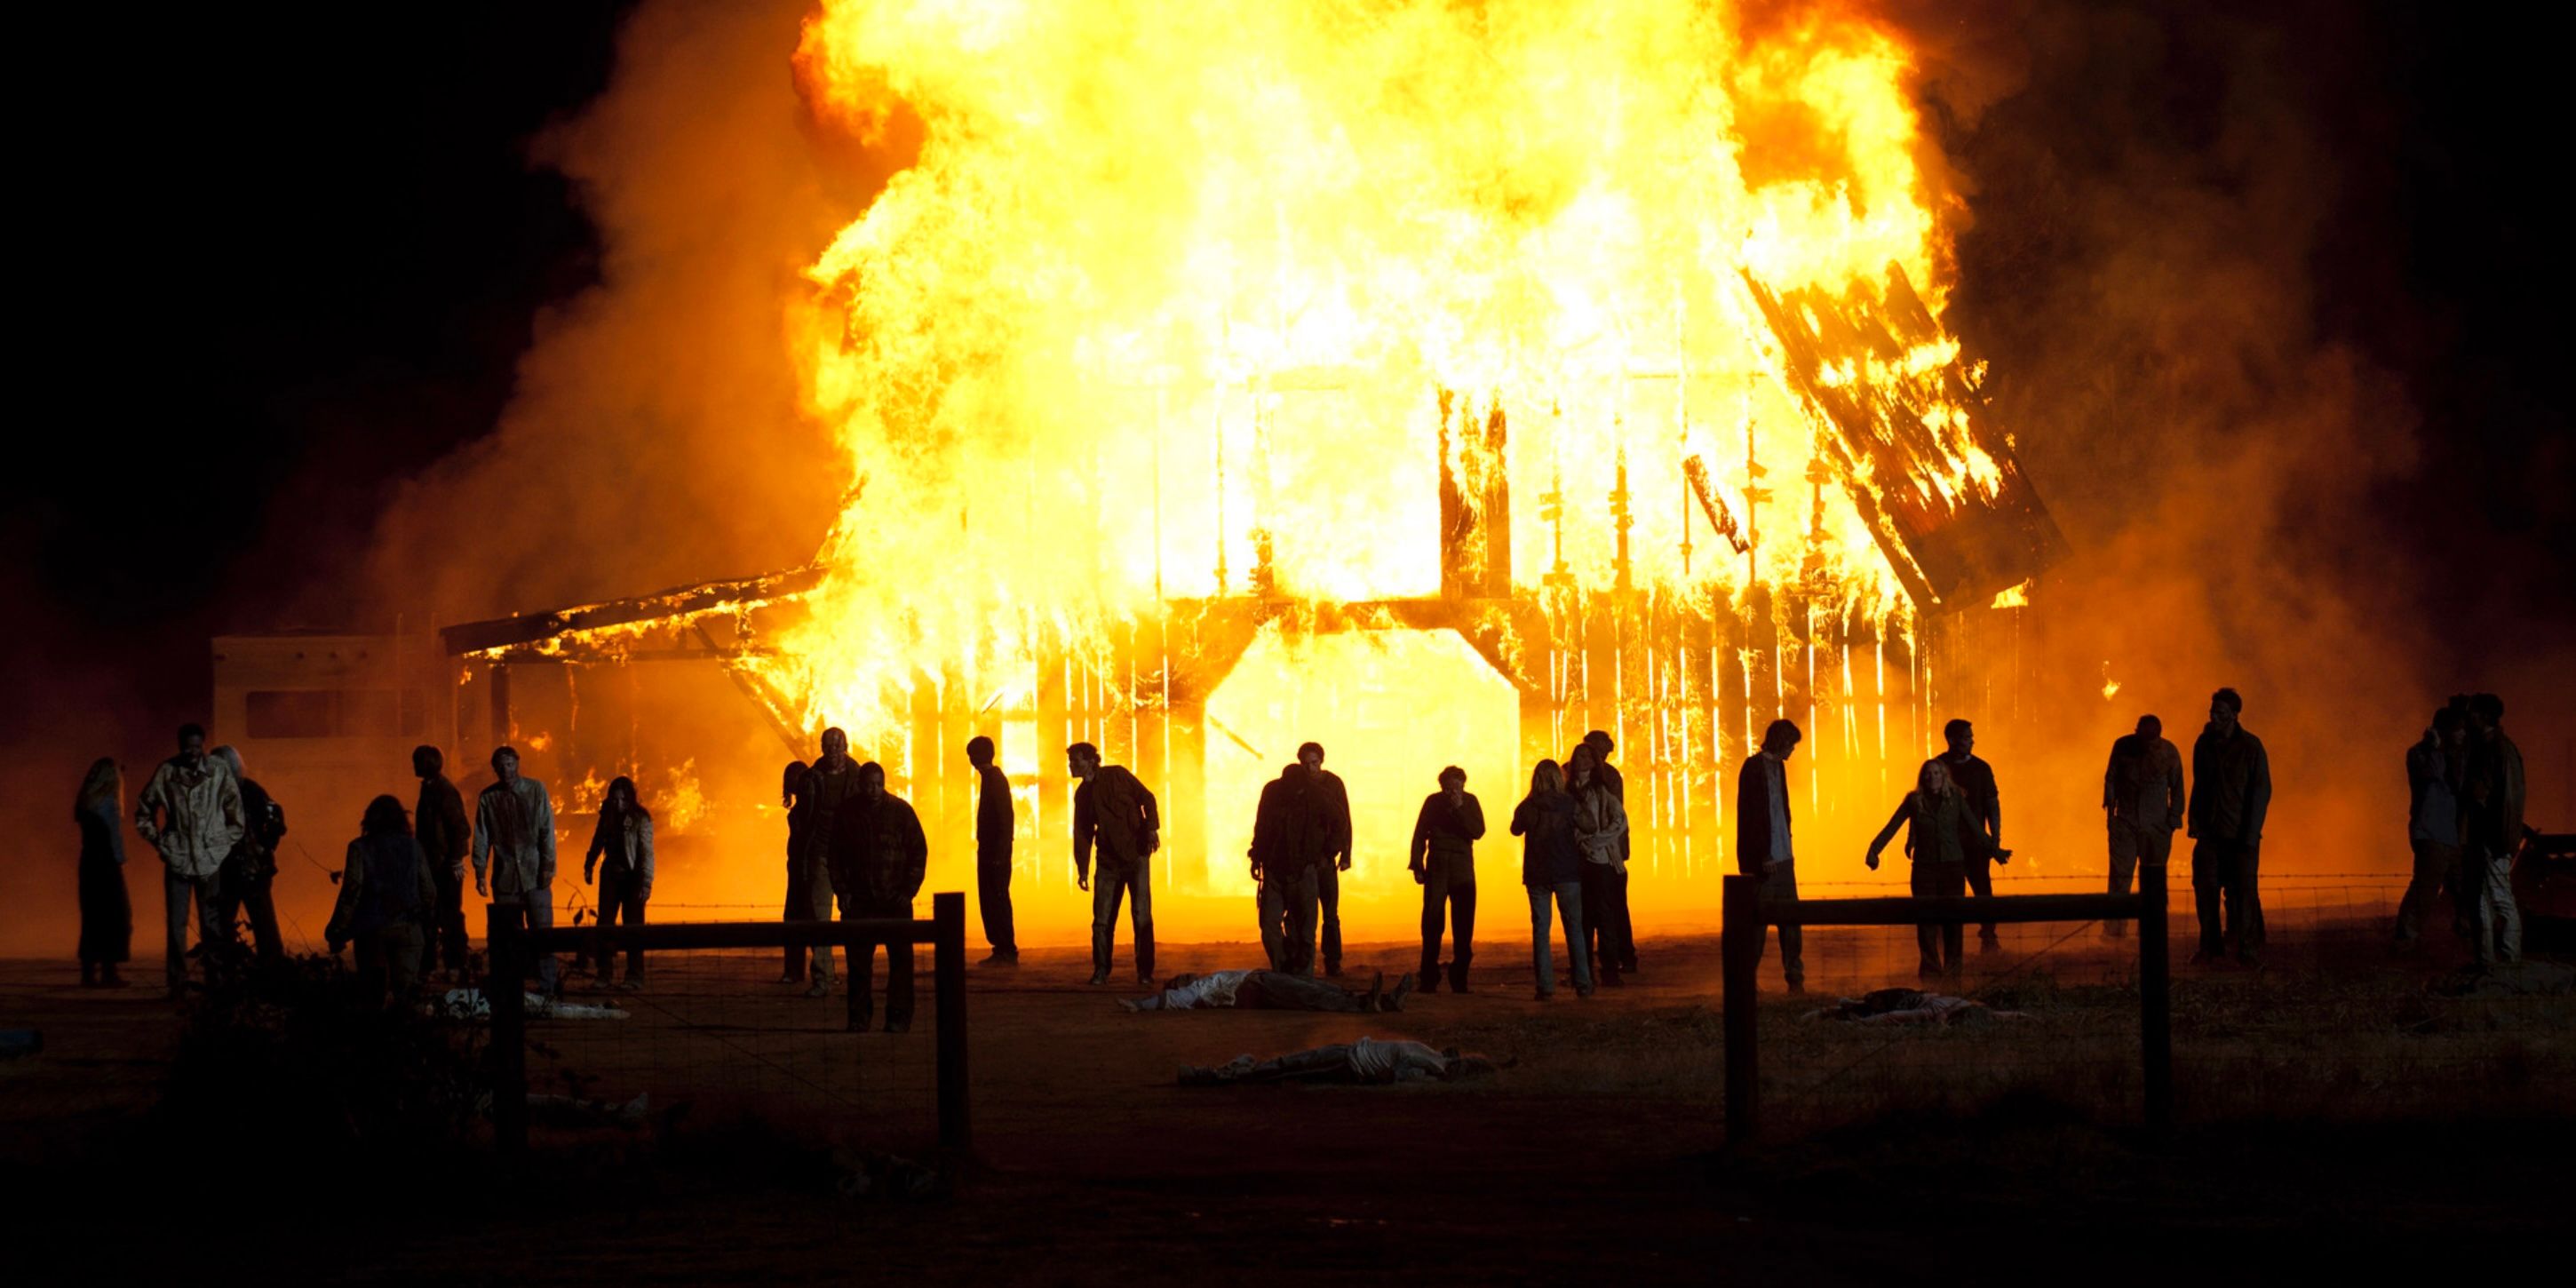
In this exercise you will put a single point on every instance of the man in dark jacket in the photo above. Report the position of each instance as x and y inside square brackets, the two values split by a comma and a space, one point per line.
[1975, 780]
[1114, 812]
[1762, 838]
[1618, 931]
[2231, 791]
[246, 886]
[993, 824]
[1328, 837]
[2494, 794]
[1285, 879]
[1443, 858]
[438, 822]
[830, 782]
[878, 857]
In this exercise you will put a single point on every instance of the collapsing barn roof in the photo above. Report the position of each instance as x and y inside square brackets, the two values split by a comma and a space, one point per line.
[1940, 489]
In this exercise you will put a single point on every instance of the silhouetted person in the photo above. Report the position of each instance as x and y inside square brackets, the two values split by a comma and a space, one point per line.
[1328, 836]
[2494, 794]
[107, 916]
[2231, 791]
[1442, 855]
[1617, 923]
[2142, 799]
[514, 854]
[386, 897]
[829, 784]
[620, 859]
[994, 822]
[1552, 868]
[1943, 839]
[191, 813]
[2436, 767]
[800, 901]
[1975, 780]
[245, 887]
[1283, 871]
[1113, 812]
[1268, 990]
[1600, 823]
[439, 822]
[878, 858]
[1762, 838]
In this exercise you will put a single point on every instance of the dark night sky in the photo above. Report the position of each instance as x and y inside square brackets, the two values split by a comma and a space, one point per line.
[310, 224]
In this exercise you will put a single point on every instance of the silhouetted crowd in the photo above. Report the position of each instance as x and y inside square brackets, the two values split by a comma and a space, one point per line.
[858, 851]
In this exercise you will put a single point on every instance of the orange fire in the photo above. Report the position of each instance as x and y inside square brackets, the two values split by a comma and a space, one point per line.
[1163, 286]
[1177, 303]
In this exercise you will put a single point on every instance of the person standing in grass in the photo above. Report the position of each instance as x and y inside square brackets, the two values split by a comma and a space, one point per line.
[1944, 840]
[1552, 868]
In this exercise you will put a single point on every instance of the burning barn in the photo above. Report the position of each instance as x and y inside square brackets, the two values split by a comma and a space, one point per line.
[1433, 383]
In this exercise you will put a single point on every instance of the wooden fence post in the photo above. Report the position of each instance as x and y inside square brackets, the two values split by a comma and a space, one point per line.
[504, 966]
[1740, 947]
[948, 971]
[2155, 997]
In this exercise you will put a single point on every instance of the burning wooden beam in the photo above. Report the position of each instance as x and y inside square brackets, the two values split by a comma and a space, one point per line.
[1939, 489]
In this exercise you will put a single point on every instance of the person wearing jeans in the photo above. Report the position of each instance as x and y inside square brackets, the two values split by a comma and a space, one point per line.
[514, 854]
[1762, 839]
[1443, 859]
[1114, 812]
[1552, 868]
[191, 813]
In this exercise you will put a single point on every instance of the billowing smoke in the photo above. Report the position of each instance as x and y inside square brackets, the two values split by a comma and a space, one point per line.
[654, 438]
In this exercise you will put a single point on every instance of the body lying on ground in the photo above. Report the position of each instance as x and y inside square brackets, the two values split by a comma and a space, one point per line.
[1911, 1006]
[1366, 1061]
[1268, 990]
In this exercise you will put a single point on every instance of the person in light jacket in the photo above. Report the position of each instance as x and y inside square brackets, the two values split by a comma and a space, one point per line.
[621, 860]
[387, 896]
[1601, 831]
[514, 847]
[191, 814]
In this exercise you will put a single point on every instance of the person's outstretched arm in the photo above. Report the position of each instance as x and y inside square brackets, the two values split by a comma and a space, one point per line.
[1888, 833]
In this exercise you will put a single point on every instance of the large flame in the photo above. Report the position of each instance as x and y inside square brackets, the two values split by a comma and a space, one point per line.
[1169, 284]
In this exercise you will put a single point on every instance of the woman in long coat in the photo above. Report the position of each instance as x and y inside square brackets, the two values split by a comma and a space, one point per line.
[107, 918]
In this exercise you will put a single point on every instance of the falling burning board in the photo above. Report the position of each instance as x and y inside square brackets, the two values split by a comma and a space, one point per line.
[1938, 486]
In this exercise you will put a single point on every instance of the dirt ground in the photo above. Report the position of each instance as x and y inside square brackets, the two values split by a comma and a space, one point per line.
[2332, 1117]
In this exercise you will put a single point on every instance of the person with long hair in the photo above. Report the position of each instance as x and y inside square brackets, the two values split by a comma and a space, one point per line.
[387, 896]
[621, 862]
[107, 916]
[1600, 831]
[1552, 866]
[1944, 836]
